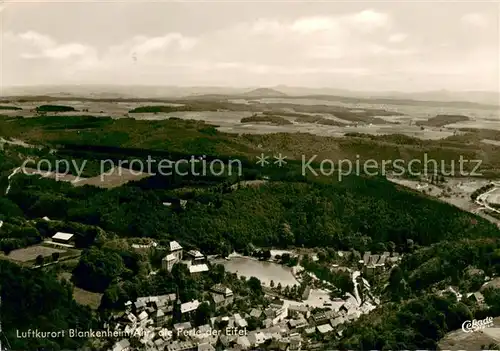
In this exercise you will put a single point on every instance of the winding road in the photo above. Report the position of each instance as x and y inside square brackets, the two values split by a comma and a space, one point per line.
[482, 199]
[9, 178]
[355, 275]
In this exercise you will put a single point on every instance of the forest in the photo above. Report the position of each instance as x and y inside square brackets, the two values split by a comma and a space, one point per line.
[357, 213]
[285, 210]
[416, 324]
[46, 304]
[415, 316]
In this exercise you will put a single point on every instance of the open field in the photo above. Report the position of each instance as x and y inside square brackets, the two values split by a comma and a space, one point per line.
[27, 256]
[494, 197]
[116, 177]
[30, 253]
[455, 191]
[399, 118]
[53, 175]
[87, 298]
[95, 138]
[491, 142]
[187, 133]
[83, 297]
[460, 340]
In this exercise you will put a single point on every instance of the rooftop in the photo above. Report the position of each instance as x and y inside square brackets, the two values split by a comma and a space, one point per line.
[195, 254]
[121, 345]
[170, 257]
[298, 308]
[190, 306]
[256, 313]
[205, 347]
[325, 328]
[181, 346]
[182, 326]
[221, 289]
[198, 268]
[62, 236]
[174, 246]
[218, 298]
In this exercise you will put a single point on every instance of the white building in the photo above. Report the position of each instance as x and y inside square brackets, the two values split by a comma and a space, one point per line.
[176, 249]
[168, 262]
[196, 256]
[325, 328]
[63, 238]
[173, 257]
[198, 268]
[189, 306]
[123, 345]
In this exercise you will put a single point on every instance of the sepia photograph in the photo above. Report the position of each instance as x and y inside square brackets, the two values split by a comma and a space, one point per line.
[230, 175]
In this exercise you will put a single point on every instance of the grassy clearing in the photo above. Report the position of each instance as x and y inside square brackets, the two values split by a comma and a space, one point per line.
[87, 298]
[83, 297]
[84, 137]
[10, 108]
[27, 256]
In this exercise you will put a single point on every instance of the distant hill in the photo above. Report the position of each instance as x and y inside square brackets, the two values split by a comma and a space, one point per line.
[441, 98]
[263, 92]
[442, 120]
[478, 97]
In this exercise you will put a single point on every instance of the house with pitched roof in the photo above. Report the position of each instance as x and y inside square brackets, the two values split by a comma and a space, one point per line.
[174, 256]
[221, 295]
[176, 249]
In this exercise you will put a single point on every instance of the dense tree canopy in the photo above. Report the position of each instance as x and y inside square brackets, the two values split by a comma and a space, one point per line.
[97, 269]
[37, 300]
[415, 325]
[360, 213]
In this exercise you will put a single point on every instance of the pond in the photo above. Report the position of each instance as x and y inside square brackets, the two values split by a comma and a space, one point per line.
[264, 271]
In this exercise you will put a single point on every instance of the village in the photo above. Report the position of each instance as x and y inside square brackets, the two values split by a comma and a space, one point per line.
[303, 321]
[279, 323]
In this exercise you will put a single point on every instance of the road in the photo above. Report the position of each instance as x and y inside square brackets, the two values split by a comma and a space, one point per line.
[482, 199]
[482, 202]
[355, 275]
[9, 177]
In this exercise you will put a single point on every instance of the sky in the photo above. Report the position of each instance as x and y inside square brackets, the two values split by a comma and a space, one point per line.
[404, 46]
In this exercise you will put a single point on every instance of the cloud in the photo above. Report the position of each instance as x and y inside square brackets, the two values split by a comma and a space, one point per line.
[292, 48]
[381, 50]
[367, 19]
[60, 52]
[47, 48]
[310, 25]
[326, 51]
[475, 19]
[147, 45]
[370, 19]
[321, 49]
[37, 39]
[397, 38]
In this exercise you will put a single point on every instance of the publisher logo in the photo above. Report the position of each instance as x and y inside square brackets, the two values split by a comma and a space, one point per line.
[475, 325]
